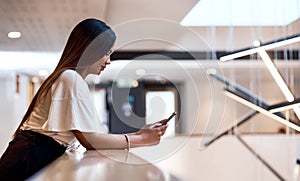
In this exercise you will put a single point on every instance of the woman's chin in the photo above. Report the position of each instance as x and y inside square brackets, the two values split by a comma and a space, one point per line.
[99, 72]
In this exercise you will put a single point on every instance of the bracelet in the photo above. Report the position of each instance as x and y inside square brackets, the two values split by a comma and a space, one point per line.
[128, 141]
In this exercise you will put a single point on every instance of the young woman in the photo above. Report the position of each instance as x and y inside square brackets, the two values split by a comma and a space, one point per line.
[62, 111]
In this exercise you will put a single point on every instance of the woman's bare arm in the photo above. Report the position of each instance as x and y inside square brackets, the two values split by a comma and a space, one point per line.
[146, 136]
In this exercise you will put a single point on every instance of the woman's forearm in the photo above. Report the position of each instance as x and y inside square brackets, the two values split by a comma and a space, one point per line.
[106, 141]
[147, 136]
[109, 141]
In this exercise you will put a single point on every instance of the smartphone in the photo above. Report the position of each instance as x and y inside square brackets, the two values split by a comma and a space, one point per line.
[169, 118]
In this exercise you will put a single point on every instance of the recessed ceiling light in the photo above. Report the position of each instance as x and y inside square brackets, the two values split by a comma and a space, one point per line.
[35, 79]
[14, 34]
[140, 72]
[43, 72]
[256, 43]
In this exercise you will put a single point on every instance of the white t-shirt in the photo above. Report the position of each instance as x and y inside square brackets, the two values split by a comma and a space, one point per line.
[67, 107]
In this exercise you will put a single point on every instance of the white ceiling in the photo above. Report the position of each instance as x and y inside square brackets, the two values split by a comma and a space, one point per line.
[140, 25]
[45, 24]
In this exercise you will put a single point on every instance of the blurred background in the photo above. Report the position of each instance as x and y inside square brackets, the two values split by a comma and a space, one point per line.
[164, 56]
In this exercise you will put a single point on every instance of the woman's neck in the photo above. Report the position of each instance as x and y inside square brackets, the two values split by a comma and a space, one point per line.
[83, 73]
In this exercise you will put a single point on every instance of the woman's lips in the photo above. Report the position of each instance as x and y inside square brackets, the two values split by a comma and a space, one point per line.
[103, 67]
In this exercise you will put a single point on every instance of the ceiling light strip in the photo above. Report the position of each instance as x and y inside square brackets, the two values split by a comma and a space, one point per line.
[261, 110]
[284, 108]
[278, 79]
[267, 46]
[297, 111]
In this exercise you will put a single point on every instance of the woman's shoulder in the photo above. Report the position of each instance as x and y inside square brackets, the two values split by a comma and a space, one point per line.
[70, 75]
[70, 78]
[68, 84]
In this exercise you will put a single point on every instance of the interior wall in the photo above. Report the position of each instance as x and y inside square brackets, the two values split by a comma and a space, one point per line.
[13, 104]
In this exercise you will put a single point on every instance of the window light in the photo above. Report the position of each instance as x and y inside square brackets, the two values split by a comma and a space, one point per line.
[242, 13]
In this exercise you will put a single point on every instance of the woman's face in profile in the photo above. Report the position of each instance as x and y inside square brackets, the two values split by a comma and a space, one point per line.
[101, 64]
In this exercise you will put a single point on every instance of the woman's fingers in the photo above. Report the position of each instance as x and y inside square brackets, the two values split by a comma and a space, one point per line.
[163, 121]
[157, 124]
[160, 127]
[161, 130]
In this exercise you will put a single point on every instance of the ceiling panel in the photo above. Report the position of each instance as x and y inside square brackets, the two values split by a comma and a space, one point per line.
[44, 24]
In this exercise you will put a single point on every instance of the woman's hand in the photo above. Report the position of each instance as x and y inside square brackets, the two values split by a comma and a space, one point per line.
[151, 134]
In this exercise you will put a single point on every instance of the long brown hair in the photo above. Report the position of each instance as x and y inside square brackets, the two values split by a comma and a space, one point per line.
[89, 41]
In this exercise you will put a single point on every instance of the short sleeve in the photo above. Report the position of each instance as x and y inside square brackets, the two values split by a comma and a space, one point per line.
[71, 106]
